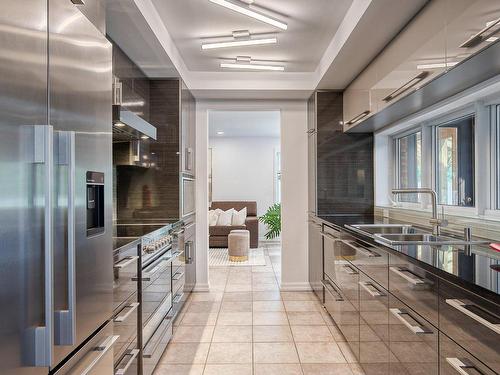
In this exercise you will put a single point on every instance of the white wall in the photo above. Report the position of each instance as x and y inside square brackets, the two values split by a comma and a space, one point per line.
[243, 170]
[294, 273]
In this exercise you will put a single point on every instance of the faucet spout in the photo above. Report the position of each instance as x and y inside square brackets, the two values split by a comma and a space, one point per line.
[435, 221]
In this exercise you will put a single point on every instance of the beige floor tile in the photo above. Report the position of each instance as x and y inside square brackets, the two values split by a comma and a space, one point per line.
[275, 318]
[184, 353]
[302, 306]
[305, 318]
[229, 369]
[203, 306]
[198, 319]
[237, 296]
[326, 369]
[235, 319]
[321, 352]
[347, 352]
[179, 370]
[238, 287]
[298, 296]
[311, 334]
[230, 353]
[275, 353]
[207, 296]
[232, 334]
[185, 333]
[268, 306]
[272, 334]
[236, 306]
[277, 369]
[265, 287]
[337, 335]
[264, 277]
[267, 296]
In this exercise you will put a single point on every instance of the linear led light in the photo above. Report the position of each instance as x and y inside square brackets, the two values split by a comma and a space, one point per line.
[436, 65]
[245, 10]
[408, 85]
[252, 66]
[239, 43]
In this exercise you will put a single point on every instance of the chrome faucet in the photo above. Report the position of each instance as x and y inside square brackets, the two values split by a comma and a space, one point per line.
[435, 221]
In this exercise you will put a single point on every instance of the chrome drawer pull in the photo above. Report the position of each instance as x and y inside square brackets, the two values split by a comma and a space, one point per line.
[177, 298]
[403, 272]
[371, 289]
[329, 287]
[101, 350]
[177, 275]
[364, 250]
[133, 355]
[330, 237]
[462, 364]
[132, 307]
[462, 307]
[416, 329]
[126, 261]
[350, 270]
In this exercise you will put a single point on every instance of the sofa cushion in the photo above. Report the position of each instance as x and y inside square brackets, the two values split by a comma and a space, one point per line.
[237, 205]
[225, 218]
[224, 231]
[213, 216]
[239, 217]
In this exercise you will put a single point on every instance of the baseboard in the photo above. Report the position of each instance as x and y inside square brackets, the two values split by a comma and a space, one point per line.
[295, 287]
[201, 287]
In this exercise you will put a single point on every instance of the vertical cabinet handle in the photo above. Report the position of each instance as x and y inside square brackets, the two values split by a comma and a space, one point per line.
[65, 320]
[462, 364]
[461, 305]
[40, 339]
[416, 329]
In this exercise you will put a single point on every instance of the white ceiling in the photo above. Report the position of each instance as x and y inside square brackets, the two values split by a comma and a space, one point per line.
[244, 123]
[311, 26]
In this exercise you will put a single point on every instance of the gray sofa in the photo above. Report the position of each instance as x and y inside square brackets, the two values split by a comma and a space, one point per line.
[218, 234]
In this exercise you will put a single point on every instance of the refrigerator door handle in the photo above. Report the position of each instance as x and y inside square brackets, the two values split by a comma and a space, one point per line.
[65, 320]
[39, 345]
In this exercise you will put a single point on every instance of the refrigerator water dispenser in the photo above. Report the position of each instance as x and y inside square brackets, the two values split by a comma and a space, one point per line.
[95, 203]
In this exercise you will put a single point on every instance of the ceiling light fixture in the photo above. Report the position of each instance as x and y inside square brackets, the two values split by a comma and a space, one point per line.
[220, 133]
[247, 11]
[239, 43]
[436, 65]
[248, 66]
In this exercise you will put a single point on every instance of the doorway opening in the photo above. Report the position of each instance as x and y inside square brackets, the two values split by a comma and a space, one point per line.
[244, 188]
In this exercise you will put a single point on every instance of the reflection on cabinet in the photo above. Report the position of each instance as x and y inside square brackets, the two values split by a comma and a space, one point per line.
[399, 318]
[443, 34]
[315, 257]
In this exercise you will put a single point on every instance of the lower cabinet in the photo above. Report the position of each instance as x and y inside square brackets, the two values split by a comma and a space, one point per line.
[315, 258]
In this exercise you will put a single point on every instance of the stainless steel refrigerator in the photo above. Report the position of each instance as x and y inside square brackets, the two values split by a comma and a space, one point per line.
[55, 184]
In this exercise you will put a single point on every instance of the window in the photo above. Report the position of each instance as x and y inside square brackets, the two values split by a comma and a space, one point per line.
[409, 164]
[455, 162]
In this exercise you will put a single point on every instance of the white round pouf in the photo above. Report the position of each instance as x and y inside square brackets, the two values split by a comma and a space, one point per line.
[238, 245]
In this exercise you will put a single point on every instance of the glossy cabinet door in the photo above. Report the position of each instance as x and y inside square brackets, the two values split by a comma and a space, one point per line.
[413, 341]
[472, 322]
[454, 360]
[315, 252]
[415, 287]
[312, 159]
[374, 356]
[188, 130]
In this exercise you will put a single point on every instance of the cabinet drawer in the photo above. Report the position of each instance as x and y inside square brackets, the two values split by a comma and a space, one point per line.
[128, 363]
[125, 325]
[413, 341]
[371, 260]
[454, 360]
[415, 287]
[374, 326]
[331, 250]
[472, 322]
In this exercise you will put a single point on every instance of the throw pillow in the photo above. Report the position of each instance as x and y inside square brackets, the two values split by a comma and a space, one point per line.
[239, 217]
[225, 218]
[213, 215]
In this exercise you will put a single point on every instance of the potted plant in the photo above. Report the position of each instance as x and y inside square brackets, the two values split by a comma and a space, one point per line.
[272, 219]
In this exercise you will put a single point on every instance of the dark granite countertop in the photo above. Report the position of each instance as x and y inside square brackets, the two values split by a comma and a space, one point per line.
[477, 270]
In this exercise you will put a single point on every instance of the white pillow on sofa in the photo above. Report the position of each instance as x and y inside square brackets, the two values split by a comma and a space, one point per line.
[239, 217]
[213, 216]
[225, 218]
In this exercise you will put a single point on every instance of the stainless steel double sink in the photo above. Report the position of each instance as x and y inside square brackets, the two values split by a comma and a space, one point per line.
[405, 234]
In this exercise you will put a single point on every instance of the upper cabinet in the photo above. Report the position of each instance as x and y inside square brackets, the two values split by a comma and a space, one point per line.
[442, 35]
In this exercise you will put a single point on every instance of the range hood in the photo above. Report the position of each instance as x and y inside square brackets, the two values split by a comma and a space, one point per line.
[128, 126]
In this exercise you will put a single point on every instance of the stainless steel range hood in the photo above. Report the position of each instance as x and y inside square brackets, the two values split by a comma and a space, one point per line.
[128, 126]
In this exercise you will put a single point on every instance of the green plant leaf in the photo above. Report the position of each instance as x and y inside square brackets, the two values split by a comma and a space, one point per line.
[272, 220]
